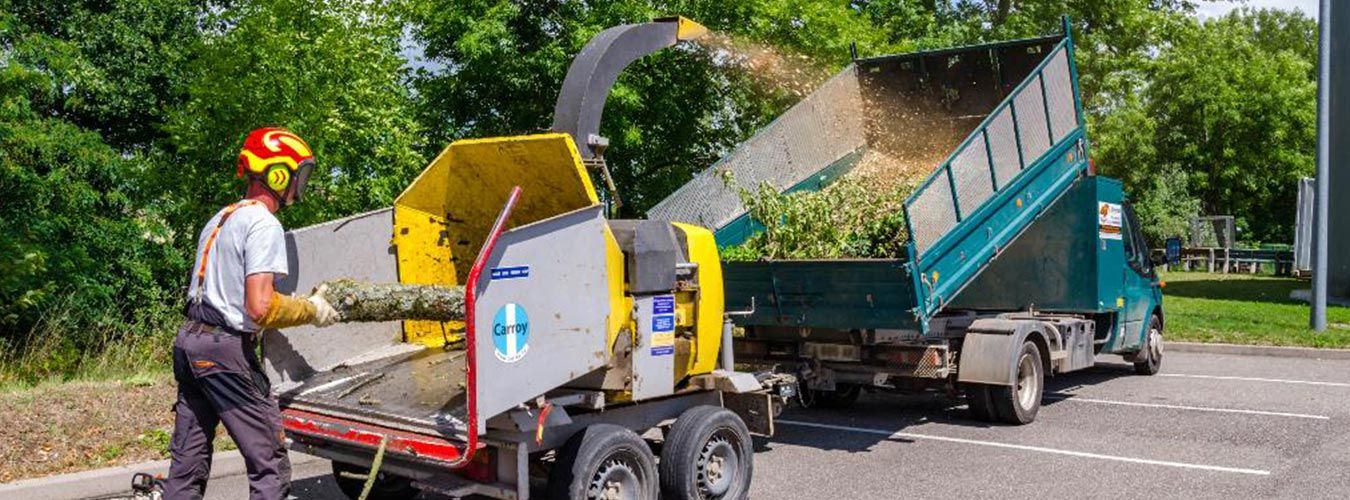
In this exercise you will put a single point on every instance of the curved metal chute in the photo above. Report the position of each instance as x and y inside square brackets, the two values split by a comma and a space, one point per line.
[586, 87]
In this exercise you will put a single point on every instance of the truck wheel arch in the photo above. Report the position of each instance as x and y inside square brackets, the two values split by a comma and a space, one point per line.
[989, 350]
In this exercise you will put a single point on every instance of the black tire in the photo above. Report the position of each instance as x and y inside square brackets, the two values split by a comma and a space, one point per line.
[386, 487]
[1149, 360]
[603, 456]
[1019, 403]
[841, 398]
[980, 403]
[694, 459]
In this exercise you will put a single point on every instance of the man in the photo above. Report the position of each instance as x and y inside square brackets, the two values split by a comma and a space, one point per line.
[240, 253]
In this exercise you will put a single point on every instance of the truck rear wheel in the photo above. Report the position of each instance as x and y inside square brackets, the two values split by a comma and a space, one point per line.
[1018, 404]
[1149, 361]
[606, 462]
[979, 402]
[350, 479]
[707, 455]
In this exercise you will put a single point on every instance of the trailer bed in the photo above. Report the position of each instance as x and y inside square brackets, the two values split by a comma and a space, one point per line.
[420, 391]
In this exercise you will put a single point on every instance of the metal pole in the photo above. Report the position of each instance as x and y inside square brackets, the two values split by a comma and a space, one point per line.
[1318, 321]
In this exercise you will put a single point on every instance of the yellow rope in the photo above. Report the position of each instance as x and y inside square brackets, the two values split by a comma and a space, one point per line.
[374, 469]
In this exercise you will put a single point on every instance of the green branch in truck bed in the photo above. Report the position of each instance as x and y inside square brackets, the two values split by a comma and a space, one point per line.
[859, 216]
[358, 301]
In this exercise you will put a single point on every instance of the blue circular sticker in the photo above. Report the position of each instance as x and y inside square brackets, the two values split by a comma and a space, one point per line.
[511, 333]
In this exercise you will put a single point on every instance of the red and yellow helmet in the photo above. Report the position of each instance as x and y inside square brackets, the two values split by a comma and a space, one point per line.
[279, 160]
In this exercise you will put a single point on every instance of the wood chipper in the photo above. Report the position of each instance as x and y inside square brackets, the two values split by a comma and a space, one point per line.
[590, 348]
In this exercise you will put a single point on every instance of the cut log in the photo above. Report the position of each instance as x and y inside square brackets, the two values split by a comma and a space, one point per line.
[358, 301]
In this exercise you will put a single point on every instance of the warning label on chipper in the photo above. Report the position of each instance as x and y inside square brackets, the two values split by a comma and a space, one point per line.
[1108, 220]
[663, 325]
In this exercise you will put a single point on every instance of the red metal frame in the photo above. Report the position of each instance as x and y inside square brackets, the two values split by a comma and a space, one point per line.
[470, 299]
[308, 424]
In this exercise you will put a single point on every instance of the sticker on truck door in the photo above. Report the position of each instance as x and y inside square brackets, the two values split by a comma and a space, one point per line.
[511, 333]
[1108, 220]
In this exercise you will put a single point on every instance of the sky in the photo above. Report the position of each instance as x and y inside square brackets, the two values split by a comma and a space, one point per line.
[1210, 9]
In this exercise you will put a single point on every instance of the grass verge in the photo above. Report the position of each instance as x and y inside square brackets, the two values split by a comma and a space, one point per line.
[55, 428]
[1246, 309]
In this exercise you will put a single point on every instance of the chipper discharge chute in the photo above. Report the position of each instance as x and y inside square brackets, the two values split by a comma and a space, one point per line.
[1020, 261]
[580, 334]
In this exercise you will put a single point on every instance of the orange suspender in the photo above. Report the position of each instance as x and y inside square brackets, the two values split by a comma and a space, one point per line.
[211, 240]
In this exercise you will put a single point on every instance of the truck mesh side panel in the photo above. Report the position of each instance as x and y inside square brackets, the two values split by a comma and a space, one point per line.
[931, 213]
[974, 181]
[1031, 121]
[1059, 95]
[818, 131]
[990, 161]
[1003, 144]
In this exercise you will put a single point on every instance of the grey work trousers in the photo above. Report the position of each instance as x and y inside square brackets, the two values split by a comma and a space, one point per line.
[220, 381]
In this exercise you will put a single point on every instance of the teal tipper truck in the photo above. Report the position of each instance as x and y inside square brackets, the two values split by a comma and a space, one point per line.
[1022, 263]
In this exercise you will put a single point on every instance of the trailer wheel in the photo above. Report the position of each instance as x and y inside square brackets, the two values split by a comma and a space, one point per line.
[349, 479]
[1018, 404]
[979, 401]
[841, 398]
[1149, 361]
[707, 455]
[606, 462]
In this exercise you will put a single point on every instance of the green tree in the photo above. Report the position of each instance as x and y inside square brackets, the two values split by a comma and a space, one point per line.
[328, 70]
[1237, 112]
[133, 53]
[75, 239]
[501, 65]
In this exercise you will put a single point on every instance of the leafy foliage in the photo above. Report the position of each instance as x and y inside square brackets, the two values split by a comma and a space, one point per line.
[501, 64]
[1228, 115]
[329, 71]
[848, 219]
[72, 222]
[119, 123]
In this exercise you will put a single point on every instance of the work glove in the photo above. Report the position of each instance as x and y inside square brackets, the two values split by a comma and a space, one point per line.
[324, 314]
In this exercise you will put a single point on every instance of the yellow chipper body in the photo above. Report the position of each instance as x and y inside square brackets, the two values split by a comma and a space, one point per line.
[580, 329]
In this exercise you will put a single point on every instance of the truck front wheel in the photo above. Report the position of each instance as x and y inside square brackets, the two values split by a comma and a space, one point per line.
[1018, 404]
[604, 461]
[707, 455]
[1149, 361]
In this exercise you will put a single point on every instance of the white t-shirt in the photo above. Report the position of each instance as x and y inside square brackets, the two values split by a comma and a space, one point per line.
[250, 242]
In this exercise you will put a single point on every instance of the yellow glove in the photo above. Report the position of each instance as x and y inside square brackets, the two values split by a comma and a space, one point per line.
[286, 311]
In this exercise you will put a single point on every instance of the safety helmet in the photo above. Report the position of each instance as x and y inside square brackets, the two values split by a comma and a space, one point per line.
[279, 160]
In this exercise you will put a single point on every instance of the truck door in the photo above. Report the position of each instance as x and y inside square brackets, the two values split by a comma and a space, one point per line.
[1138, 287]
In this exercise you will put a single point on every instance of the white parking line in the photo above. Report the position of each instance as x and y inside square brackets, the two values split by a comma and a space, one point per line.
[1080, 399]
[1080, 454]
[1257, 379]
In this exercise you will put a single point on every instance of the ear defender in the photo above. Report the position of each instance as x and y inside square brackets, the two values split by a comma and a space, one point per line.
[278, 177]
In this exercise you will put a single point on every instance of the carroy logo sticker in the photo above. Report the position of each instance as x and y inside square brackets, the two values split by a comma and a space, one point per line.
[511, 333]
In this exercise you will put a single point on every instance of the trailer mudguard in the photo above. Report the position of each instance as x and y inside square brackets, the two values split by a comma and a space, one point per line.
[989, 350]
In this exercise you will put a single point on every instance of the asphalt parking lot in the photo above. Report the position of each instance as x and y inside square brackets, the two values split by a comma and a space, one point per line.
[1208, 426]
